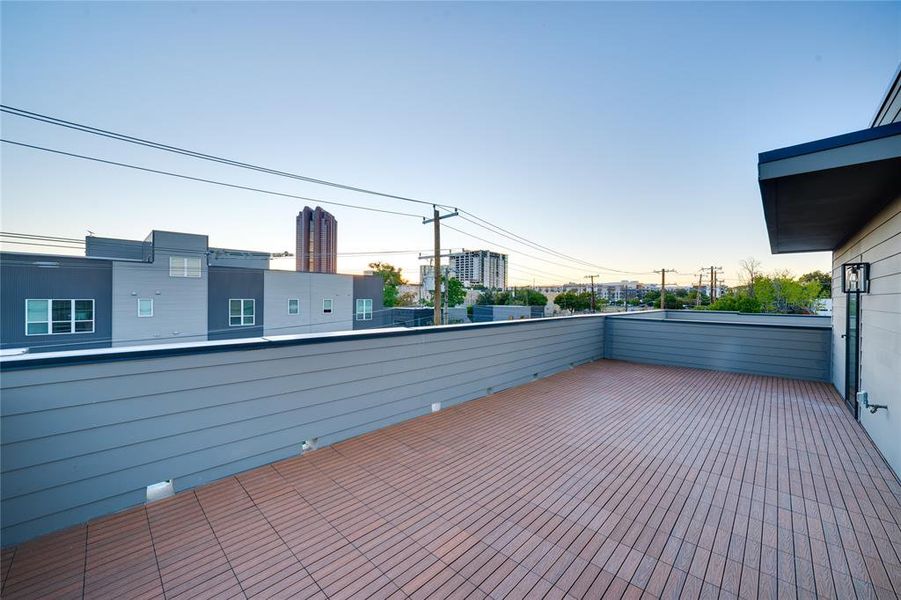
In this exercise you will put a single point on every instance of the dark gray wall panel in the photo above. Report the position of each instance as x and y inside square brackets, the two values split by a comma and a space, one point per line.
[24, 276]
[233, 283]
[371, 287]
[82, 440]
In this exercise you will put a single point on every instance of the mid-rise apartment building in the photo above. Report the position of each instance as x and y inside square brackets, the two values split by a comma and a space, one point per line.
[480, 268]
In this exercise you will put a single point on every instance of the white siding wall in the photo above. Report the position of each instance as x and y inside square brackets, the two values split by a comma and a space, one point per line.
[311, 289]
[878, 243]
[179, 303]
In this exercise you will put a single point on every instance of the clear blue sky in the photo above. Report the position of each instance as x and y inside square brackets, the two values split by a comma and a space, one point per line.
[624, 134]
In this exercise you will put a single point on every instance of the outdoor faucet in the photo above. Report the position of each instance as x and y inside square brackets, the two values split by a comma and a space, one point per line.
[864, 399]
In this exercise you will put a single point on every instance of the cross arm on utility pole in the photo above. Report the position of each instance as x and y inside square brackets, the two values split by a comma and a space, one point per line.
[436, 221]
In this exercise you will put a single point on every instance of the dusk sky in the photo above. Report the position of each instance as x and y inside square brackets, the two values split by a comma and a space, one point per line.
[622, 134]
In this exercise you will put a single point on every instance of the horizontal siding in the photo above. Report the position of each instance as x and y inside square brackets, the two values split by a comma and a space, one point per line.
[877, 243]
[796, 352]
[79, 441]
[746, 318]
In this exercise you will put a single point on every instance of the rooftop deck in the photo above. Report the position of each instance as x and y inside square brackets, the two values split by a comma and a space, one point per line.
[611, 479]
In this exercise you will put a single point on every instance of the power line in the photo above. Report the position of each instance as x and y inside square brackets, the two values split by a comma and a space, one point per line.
[210, 181]
[512, 249]
[194, 154]
[535, 245]
[498, 230]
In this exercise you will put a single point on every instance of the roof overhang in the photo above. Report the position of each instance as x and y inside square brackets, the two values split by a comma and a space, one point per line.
[817, 195]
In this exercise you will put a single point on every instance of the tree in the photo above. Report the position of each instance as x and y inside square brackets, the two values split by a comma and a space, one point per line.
[573, 301]
[779, 292]
[824, 279]
[522, 297]
[651, 297]
[748, 273]
[456, 293]
[393, 278]
[529, 297]
[406, 299]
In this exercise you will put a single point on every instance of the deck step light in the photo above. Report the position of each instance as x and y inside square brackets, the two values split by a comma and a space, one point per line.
[436, 406]
[158, 491]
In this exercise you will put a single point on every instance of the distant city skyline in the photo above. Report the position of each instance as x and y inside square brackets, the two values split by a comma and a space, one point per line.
[624, 135]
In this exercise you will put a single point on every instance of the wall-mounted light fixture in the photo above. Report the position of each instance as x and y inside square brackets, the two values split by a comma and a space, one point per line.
[856, 278]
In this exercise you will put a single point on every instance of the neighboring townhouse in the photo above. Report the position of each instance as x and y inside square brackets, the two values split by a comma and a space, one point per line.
[171, 287]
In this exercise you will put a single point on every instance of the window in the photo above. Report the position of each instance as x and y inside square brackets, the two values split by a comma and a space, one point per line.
[184, 266]
[48, 317]
[364, 309]
[241, 312]
[145, 307]
[293, 306]
[327, 306]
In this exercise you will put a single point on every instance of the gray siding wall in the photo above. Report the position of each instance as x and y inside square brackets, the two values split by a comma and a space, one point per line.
[878, 243]
[24, 276]
[227, 283]
[83, 439]
[310, 289]
[322, 285]
[179, 303]
[784, 351]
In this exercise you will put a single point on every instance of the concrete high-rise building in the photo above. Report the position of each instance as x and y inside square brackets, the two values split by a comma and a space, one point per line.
[317, 241]
[480, 267]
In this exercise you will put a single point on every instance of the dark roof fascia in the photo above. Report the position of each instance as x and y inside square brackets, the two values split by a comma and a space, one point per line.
[830, 143]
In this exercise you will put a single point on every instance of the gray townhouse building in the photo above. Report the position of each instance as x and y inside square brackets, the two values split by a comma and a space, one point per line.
[171, 287]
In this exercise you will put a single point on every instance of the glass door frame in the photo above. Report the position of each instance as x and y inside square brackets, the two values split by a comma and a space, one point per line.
[852, 353]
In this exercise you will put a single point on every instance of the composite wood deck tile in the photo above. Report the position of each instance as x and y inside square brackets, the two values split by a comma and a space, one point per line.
[610, 480]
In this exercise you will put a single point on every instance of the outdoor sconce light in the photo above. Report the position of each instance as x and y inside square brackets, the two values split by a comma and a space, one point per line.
[856, 278]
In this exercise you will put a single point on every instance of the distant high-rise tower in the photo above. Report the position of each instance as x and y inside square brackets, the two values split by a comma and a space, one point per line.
[317, 241]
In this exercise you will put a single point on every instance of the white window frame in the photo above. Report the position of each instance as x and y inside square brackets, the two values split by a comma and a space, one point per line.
[72, 320]
[297, 312]
[331, 305]
[364, 314]
[150, 300]
[253, 316]
[182, 270]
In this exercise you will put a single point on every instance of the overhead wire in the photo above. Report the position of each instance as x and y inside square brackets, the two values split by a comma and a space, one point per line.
[484, 223]
[209, 181]
[194, 154]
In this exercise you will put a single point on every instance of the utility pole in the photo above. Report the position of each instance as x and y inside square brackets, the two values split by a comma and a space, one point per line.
[436, 219]
[698, 295]
[713, 271]
[591, 277]
[663, 273]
